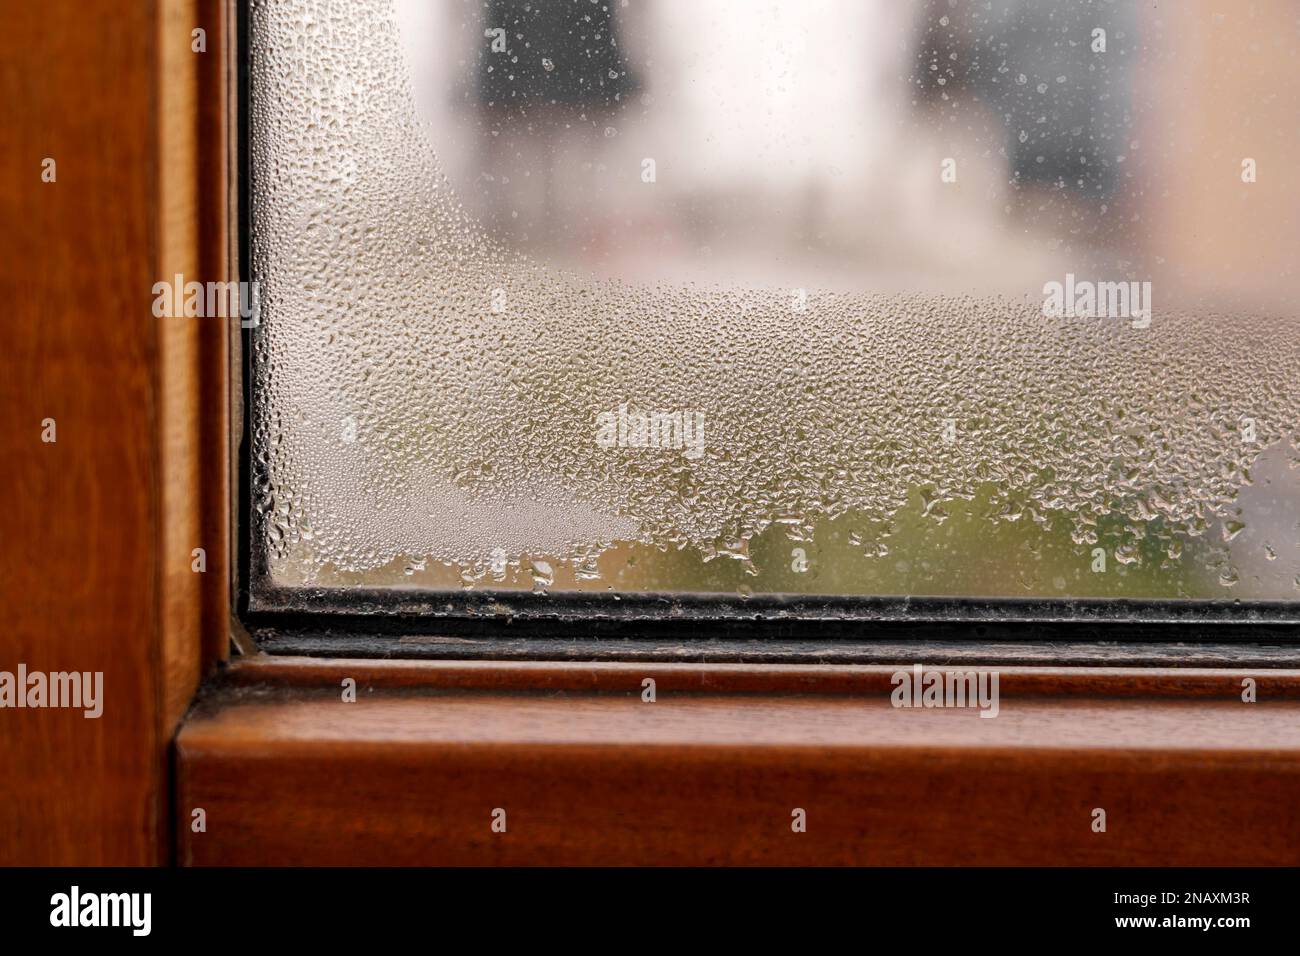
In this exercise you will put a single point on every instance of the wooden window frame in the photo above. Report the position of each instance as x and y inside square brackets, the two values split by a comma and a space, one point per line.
[286, 772]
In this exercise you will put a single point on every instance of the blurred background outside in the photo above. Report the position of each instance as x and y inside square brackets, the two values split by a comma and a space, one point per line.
[799, 144]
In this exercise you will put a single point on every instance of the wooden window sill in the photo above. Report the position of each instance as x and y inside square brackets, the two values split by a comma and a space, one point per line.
[410, 774]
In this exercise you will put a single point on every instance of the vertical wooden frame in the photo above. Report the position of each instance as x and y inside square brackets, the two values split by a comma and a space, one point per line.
[99, 526]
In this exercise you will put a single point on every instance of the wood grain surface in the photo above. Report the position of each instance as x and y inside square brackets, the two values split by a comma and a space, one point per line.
[619, 676]
[97, 527]
[411, 775]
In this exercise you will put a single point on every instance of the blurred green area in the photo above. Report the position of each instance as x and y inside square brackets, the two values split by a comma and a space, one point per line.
[963, 549]
[968, 553]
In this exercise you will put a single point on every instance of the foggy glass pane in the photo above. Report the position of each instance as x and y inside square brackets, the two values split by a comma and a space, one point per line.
[853, 297]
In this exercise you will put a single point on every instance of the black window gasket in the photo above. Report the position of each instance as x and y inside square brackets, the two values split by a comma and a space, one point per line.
[376, 622]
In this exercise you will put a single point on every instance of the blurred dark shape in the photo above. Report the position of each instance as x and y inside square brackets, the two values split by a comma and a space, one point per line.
[1067, 108]
[562, 52]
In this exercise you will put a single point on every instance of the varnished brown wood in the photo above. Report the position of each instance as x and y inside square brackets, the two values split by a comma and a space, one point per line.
[193, 243]
[407, 776]
[620, 677]
[97, 527]
[216, 209]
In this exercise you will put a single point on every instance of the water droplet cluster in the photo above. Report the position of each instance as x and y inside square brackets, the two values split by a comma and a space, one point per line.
[423, 393]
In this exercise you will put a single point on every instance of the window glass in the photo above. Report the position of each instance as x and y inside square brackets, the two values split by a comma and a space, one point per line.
[852, 297]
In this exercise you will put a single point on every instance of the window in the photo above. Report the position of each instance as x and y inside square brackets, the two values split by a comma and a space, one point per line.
[614, 742]
[846, 300]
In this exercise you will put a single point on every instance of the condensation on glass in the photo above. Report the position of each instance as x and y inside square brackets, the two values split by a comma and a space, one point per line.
[859, 297]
